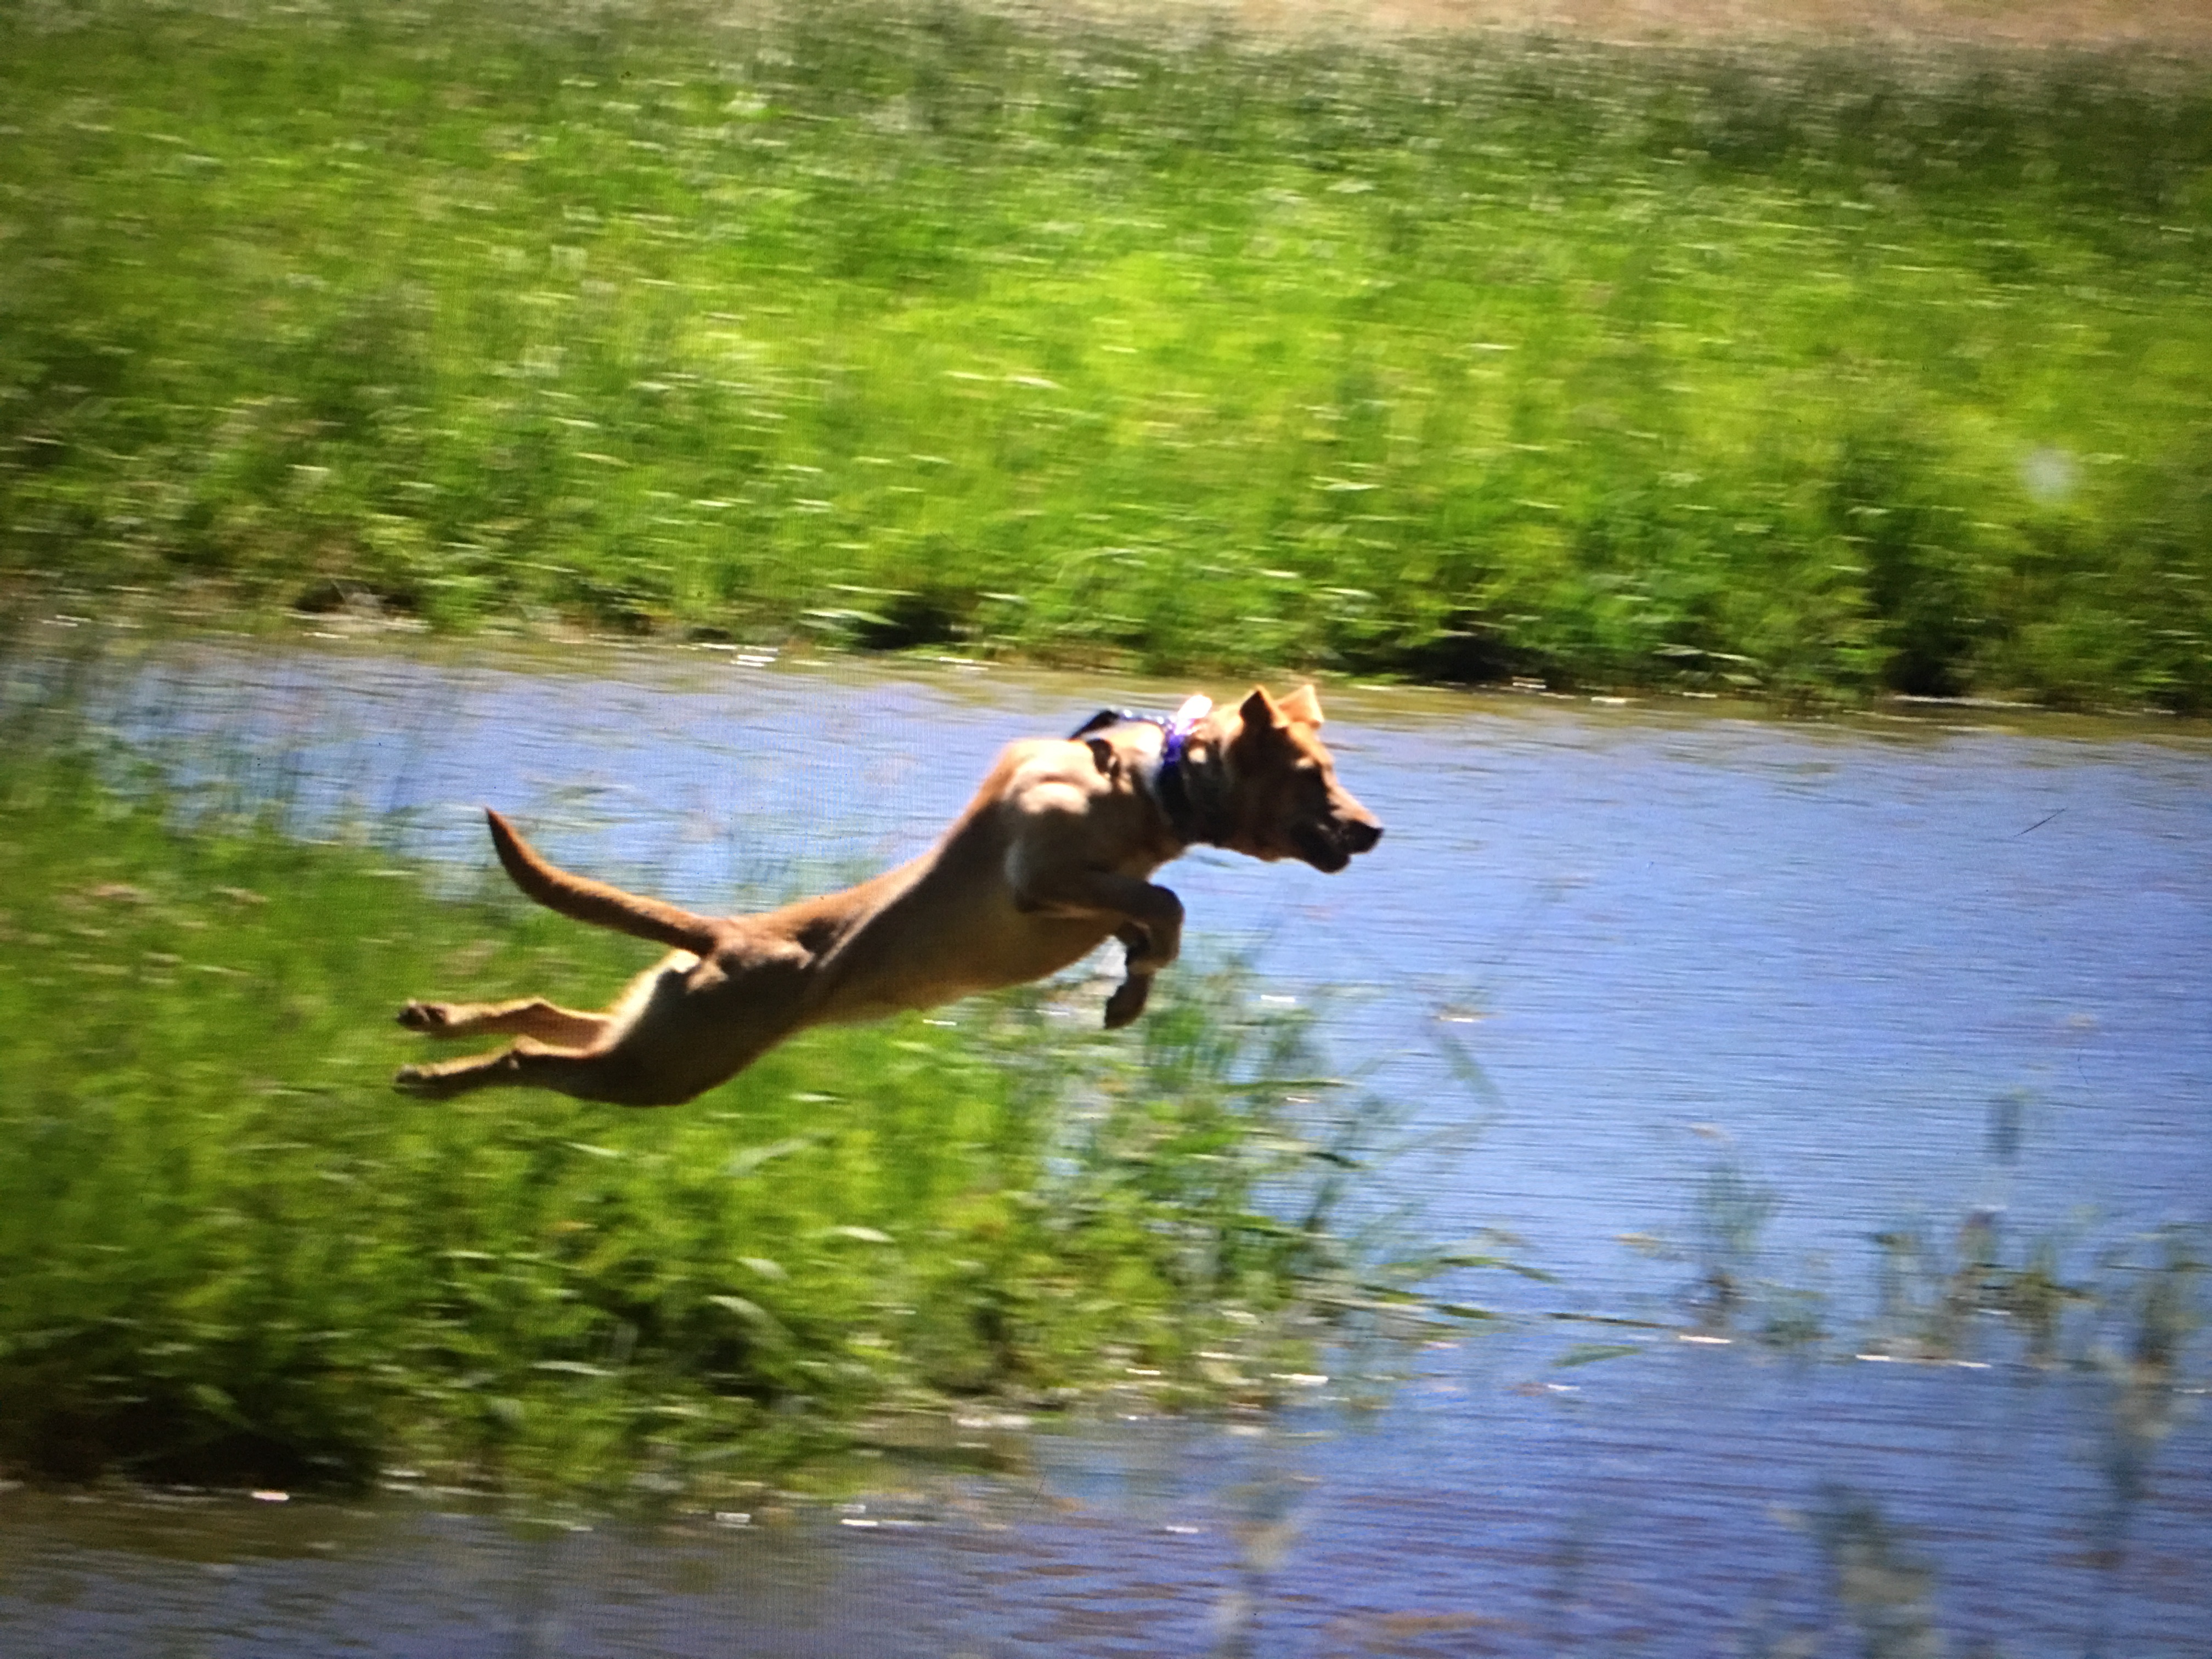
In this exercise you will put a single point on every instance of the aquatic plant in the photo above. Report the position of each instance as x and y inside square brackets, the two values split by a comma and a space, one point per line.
[1884, 1585]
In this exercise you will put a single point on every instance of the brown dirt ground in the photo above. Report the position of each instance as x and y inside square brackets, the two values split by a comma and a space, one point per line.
[2162, 26]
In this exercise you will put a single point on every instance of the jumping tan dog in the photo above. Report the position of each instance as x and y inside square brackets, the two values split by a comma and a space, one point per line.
[1049, 859]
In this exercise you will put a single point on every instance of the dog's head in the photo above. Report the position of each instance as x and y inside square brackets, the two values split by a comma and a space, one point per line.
[1283, 792]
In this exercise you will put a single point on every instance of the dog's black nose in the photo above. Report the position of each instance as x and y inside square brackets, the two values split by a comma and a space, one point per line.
[1362, 837]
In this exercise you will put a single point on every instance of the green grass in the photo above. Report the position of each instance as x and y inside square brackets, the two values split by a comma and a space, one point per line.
[233, 1255]
[1819, 374]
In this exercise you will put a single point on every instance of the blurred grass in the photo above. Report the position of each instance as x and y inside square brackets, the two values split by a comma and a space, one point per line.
[233, 1255]
[1815, 373]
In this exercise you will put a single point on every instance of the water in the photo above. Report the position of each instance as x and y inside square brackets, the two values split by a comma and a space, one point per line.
[1672, 1507]
[1600, 951]
[1838, 947]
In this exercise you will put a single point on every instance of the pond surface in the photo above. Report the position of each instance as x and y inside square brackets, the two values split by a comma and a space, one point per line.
[1695, 1502]
[1894, 971]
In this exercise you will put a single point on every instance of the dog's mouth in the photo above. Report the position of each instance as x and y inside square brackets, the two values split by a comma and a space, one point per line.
[1330, 847]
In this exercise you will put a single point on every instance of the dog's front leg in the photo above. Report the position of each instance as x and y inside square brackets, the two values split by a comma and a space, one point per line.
[1149, 943]
[1129, 996]
[1149, 918]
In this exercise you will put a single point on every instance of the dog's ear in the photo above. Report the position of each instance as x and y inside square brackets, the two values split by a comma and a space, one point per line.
[1261, 713]
[1302, 706]
[1103, 758]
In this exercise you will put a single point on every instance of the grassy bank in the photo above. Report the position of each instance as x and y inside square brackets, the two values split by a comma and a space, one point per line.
[234, 1254]
[1813, 374]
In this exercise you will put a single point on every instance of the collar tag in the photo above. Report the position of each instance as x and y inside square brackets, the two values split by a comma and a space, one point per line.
[1169, 784]
[1182, 724]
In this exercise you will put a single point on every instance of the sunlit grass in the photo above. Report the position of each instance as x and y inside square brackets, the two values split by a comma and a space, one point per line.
[1810, 373]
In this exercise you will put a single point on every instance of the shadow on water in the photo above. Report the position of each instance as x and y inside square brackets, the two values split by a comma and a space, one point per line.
[1845, 1082]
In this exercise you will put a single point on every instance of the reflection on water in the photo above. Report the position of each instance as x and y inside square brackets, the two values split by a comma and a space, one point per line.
[1755, 997]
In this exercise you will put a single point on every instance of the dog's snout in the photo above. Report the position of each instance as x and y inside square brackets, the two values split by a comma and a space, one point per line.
[1362, 837]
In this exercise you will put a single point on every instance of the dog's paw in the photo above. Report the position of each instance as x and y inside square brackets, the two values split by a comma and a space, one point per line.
[1127, 1000]
[428, 1018]
[430, 1082]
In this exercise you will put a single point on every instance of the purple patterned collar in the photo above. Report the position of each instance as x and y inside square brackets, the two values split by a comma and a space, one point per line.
[1168, 785]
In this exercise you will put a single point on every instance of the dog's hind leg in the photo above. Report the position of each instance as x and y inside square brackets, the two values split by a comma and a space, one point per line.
[659, 1045]
[530, 1016]
[602, 1075]
[616, 1076]
[545, 1022]
[450, 1078]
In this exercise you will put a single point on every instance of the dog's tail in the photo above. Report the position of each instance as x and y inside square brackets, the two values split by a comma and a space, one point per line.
[594, 901]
